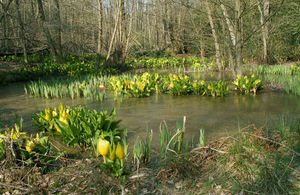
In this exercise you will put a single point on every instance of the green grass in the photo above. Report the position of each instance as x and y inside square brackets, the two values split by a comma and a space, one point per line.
[142, 149]
[276, 69]
[256, 161]
[280, 76]
[290, 84]
[87, 86]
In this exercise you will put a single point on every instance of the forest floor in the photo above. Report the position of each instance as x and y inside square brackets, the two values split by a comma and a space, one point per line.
[9, 66]
[248, 163]
[13, 66]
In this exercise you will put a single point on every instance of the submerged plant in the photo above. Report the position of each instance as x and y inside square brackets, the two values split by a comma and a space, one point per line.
[92, 87]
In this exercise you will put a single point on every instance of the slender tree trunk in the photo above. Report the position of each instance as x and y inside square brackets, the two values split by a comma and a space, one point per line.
[238, 50]
[165, 25]
[231, 62]
[266, 28]
[229, 25]
[123, 34]
[4, 26]
[22, 31]
[202, 51]
[46, 31]
[100, 33]
[130, 28]
[235, 40]
[156, 26]
[217, 46]
[4, 18]
[59, 30]
[264, 14]
[112, 38]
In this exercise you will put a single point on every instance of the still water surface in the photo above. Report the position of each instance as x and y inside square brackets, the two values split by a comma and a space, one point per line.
[218, 116]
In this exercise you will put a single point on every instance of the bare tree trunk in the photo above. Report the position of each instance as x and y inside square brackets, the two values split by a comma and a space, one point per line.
[156, 25]
[231, 62]
[22, 32]
[112, 37]
[119, 51]
[264, 14]
[50, 41]
[234, 36]
[165, 25]
[4, 27]
[100, 33]
[238, 50]
[217, 46]
[59, 30]
[5, 7]
[229, 25]
[202, 51]
[130, 29]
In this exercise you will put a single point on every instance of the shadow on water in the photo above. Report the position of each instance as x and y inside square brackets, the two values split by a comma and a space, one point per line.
[218, 116]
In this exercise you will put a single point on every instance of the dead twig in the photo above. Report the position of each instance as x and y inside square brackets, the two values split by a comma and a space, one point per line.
[272, 141]
[15, 187]
[210, 148]
[174, 136]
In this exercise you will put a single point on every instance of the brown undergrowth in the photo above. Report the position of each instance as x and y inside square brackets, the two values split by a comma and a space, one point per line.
[255, 161]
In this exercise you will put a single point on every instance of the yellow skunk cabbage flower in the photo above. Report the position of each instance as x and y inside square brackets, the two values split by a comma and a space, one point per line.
[37, 138]
[171, 86]
[257, 81]
[61, 107]
[236, 82]
[63, 120]
[47, 114]
[13, 135]
[58, 129]
[112, 152]
[195, 84]
[156, 76]
[29, 145]
[65, 114]
[103, 147]
[47, 117]
[186, 78]
[120, 153]
[54, 113]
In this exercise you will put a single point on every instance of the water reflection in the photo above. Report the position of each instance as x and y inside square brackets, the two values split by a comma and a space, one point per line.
[218, 116]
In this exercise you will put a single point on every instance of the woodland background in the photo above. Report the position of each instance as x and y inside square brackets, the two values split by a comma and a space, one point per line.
[229, 31]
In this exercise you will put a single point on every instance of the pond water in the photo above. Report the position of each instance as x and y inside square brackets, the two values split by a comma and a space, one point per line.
[220, 116]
